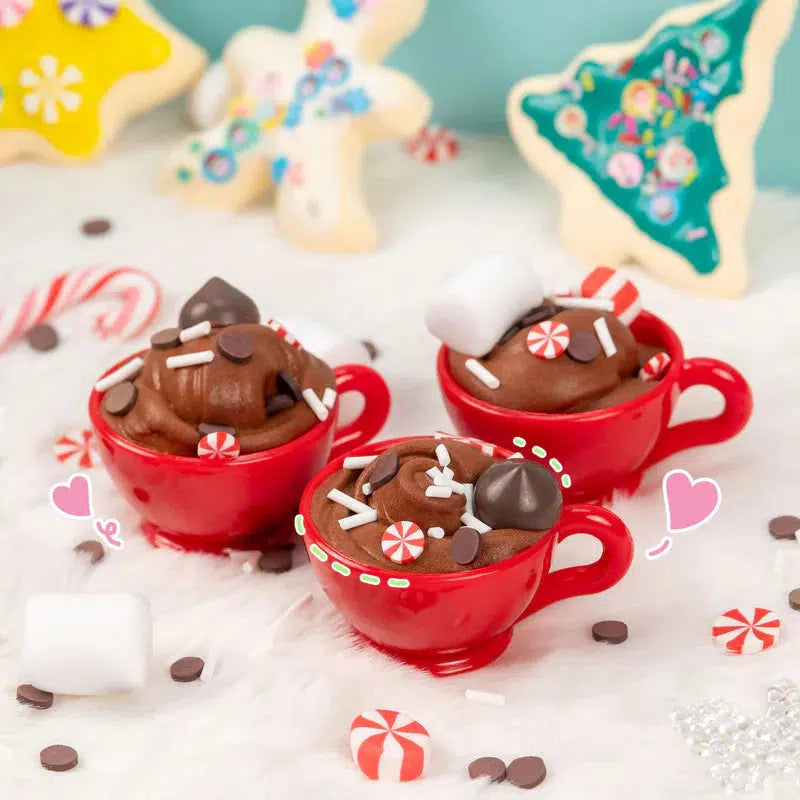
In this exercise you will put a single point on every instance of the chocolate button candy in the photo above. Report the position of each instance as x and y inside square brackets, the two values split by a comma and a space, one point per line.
[794, 599]
[465, 545]
[287, 384]
[372, 349]
[276, 561]
[583, 347]
[278, 403]
[611, 631]
[120, 399]
[517, 494]
[235, 346]
[509, 334]
[42, 337]
[59, 758]
[487, 767]
[92, 549]
[527, 772]
[96, 226]
[166, 339]
[784, 527]
[384, 469]
[219, 303]
[538, 314]
[204, 428]
[29, 695]
[187, 669]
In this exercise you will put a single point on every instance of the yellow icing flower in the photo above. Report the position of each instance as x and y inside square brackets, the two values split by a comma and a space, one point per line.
[639, 99]
[49, 89]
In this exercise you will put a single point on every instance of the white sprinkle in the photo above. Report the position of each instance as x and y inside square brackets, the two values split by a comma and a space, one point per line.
[350, 503]
[471, 521]
[442, 455]
[482, 374]
[328, 397]
[438, 491]
[457, 487]
[133, 367]
[441, 480]
[600, 303]
[358, 462]
[604, 335]
[436, 533]
[358, 519]
[195, 332]
[516, 455]
[190, 359]
[434, 473]
[491, 698]
[448, 474]
[210, 667]
[315, 404]
[469, 493]
[367, 489]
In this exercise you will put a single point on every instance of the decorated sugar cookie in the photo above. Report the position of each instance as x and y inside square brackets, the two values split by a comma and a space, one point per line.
[310, 102]
[651, 142]
[73, 71]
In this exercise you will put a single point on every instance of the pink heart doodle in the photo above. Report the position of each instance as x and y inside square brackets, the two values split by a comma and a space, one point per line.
[73, 499]
[689, 503]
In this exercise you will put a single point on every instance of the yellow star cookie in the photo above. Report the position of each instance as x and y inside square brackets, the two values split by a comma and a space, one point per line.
[309, 102]
[73, 71]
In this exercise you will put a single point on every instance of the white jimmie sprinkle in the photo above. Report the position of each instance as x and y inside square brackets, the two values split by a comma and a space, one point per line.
[600, 303]
[436, 533]
[133, 367]
[604, 335]
[190, 359]
[442, 455]
[195, 332]
[350, 503]
[328, 397]
[315, 404]
[482, 374]
[438, 491]
[358, 462]
[471, 521]
[358, 519]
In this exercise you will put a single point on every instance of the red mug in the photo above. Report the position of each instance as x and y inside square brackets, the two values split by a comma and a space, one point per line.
[459, 622]
[607, 450]
[248, 502]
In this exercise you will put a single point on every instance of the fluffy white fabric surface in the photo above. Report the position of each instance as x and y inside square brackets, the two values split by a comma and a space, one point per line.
[274, 719]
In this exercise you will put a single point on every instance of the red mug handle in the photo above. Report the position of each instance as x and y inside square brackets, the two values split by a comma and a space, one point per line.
[734, 416]
[377, 402]
[608, 570]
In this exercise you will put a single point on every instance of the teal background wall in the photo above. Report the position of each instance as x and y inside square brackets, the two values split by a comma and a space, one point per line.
[468, 53]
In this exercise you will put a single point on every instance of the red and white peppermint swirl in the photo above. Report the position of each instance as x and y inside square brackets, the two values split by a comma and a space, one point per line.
[548, 339]
[12, 12]
[612, 285]
[138, 291]
[403, 542]
[89, 13]
[655, 367]
[218, 445]
[433, 144]
[485, 447]
[283, 333]
[746, 631]
[388, 745]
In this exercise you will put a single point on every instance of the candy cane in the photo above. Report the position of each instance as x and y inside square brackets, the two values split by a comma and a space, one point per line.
[139, 292]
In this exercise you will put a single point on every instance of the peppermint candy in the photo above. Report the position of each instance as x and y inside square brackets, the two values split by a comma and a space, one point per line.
[388, 745]
[77, 446]
[548, 339]
[403, 542]
[746, 631]
[608, 283]
[485, 447]
[276, 326]
[12, 12]
[433, 144]
[89, 13]
[655, 367]
[218, 445]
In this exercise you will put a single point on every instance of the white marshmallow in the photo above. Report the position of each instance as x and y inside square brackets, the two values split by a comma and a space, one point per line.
[210, 96]
[87, 644]
[476, 306]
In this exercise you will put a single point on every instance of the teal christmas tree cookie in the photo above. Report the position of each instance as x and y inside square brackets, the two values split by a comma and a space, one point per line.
[651, 142]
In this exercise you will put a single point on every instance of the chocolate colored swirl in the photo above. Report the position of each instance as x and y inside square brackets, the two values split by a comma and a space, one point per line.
[403, 498]
[562, 384]
[171, 403]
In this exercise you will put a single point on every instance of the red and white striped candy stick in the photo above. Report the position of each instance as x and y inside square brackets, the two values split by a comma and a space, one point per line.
[138, 291]
[433, 144]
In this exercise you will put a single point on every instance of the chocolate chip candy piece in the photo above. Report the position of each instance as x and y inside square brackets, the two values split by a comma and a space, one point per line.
[91, 549]
[42, 337]
[219, 303]
[29, 695]
[96, 226]
[59, 758]
[287, 384]
[276, 561]
[187, 669]
[465, 545]
[120, 399]
[166, 339]
[235, 346]
[517, 494]
[527, 772]
[794, 599]
[487, 767]
[784, 527]
[584, 347]
[610, 631]
[384, 469]
[278, 403]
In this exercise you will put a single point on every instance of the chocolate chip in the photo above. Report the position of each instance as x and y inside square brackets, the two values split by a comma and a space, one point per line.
[583, 347]
[538, 314]
[29, 695]
[518, 494]
[527, 772]
[219, 303]
[120, 399]
[287, 384]
[509, 334]
[794, 599]
[59, 758]
[611, 631]
[278, 403]
[487, 767]
[784, 527]
[275, 561]
[166, 339]
[384, 468]
[465, 545]
[92, 549]
[204, 428]
[96, 226]
[187, 669]
[235, 346]
[372, 349]
[42, 337]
